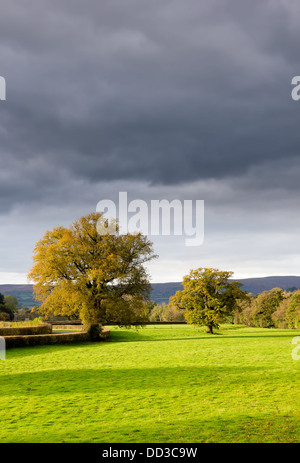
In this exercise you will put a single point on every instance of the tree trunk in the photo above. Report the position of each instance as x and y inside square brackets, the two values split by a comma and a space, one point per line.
[94, 331]
[209, 329]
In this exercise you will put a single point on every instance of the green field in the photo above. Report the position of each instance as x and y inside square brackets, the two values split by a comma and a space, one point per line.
[159, 384]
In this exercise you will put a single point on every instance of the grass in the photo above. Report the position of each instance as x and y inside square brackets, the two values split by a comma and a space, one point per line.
[157, 385]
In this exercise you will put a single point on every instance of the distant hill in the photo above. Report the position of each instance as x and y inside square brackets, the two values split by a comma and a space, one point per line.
[161, 292]
[24, 294]
[257, 285]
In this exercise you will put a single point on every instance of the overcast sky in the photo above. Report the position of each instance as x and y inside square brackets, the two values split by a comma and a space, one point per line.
[163, 99]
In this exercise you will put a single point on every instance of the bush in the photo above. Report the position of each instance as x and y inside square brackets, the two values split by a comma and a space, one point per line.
[4, 316]
[45, 339]
[35, 322]
[44, 328]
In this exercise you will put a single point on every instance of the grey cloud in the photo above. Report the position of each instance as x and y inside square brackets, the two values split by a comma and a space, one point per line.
[162, 92]
[160, 99]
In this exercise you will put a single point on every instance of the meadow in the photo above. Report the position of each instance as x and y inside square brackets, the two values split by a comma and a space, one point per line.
[158, 384]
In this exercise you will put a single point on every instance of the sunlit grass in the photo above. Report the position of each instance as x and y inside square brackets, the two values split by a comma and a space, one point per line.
[157, 384]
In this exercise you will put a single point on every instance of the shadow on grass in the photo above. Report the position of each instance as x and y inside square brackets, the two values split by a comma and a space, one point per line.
[130, 336]
[232, 428]
[118, 380]
[30, 351]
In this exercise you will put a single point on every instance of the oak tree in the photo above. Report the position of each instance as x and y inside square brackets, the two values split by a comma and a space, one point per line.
[99, 277]
[208, 297]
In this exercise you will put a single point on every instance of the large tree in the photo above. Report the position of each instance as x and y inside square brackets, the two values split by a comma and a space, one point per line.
[100, 277]
[208, 297]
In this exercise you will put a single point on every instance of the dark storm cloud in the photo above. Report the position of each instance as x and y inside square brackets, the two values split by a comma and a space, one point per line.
[166, 92]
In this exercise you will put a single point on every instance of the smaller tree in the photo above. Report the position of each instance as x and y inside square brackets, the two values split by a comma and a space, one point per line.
[279, 316]
[11, 303]
[293, 311]
[266, 305]
[208, 297]
[157, 313]
[5, 312]
[166, 313]
[173, 314]
[243, 312]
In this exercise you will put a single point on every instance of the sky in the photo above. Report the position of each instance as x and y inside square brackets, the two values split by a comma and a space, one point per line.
[161, 99]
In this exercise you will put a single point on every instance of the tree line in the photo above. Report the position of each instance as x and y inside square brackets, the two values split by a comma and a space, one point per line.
[275, 308]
